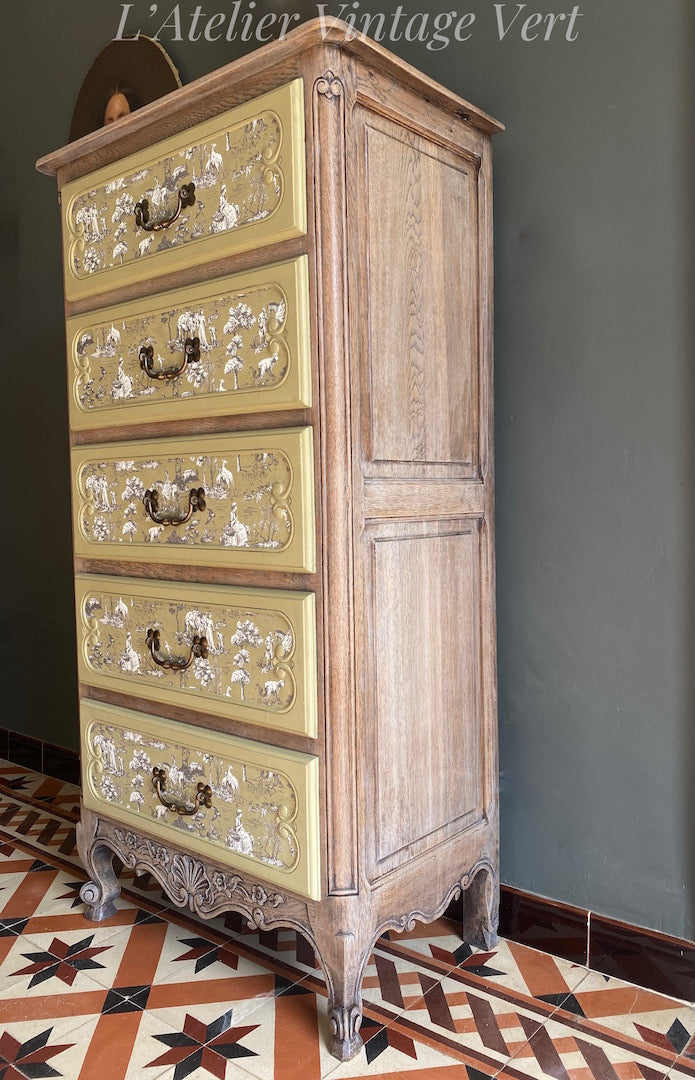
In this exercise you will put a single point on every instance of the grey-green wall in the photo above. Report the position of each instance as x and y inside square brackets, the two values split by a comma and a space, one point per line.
[594, 390]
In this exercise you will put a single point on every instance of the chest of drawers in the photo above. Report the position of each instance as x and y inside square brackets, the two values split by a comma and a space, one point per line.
[279, 339]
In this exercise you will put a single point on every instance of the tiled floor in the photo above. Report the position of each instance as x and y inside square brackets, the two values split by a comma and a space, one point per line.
[155, 993]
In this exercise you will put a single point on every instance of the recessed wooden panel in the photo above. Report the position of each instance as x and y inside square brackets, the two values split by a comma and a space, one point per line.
[426, 728]
[263, 816]
[423, 335]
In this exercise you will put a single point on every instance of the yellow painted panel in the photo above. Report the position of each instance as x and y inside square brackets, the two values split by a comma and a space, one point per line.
[260, 647]
[254, 352]
[248, 168]
[258, 491]
[264, 813]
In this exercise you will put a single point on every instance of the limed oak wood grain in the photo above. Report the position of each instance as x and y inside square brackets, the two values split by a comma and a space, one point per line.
[398, 505]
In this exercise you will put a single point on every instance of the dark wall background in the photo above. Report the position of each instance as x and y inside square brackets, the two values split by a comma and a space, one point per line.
[594, 392]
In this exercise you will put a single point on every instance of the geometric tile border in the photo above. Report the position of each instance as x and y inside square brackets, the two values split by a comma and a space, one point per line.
[155, 992]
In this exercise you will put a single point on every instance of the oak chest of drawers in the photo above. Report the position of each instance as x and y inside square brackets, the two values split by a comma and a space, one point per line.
[279, 339]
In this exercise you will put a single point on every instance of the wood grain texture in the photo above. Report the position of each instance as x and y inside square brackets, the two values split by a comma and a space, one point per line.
[400, 507]
[329, 105]
[424, 739]
[421, 210]
[245, 78]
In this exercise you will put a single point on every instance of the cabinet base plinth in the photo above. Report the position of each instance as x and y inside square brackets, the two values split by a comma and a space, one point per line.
[341, 930]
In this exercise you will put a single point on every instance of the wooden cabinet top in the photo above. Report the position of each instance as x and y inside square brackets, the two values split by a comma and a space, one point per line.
[235, 82]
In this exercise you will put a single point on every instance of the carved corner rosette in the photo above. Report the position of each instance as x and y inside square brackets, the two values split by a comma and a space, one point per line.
[329, 86]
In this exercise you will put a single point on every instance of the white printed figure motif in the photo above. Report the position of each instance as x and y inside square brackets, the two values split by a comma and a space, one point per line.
[253, 808]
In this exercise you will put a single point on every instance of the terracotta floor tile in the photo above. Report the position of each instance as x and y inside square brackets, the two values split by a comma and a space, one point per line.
[61, 963]
[153, 990]
[54, 1044]
[567, 1051]
[657, 1021]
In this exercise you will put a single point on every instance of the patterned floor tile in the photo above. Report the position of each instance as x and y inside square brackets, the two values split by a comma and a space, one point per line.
[75, 963]
[48, 831]
[214, 1039]
[684, 1069]
[36, 1048]
[511, 966]
[195, 969]
[478, 1024]
[288, 945]
[651, 1019]
[17, 778]
[114, 1046]
[154, 992]
[394, 1052]
[571, 1051]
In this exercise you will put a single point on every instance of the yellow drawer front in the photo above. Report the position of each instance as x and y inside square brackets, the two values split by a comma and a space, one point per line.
[245, 654]
[248, 171]
[263, 812]
[238, 344]
[241, 500]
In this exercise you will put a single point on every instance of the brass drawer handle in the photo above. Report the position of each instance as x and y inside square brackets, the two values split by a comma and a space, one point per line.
[142, 210]
[191, 355]
[199, 650]
[203, 795]
[196, 501]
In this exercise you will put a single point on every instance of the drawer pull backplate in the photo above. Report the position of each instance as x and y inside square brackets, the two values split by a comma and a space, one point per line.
[142, 211]
[203, 796]
[191, 355]
[196, 501]
[199, 650]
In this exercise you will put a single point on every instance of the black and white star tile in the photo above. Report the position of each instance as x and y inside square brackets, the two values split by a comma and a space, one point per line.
[152, 992]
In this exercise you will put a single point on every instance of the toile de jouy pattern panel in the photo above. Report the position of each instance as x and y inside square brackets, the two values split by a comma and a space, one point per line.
[252, 331]
[264, 800]
[257, 490]
[260, 644]
[248, 170]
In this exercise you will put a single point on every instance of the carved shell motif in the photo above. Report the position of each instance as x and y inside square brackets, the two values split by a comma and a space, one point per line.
[190, 883]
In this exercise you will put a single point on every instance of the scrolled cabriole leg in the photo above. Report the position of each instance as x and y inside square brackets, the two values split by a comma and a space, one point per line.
[103, 889]
[342, 937]
[481, 907]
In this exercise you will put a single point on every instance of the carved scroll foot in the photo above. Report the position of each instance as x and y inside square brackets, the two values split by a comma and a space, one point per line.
[345, 1023]
[342, 936]
[481, 909]
[100, 893]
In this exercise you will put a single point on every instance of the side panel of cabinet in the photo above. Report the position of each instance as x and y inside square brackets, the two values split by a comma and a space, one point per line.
[420, 227]
[420, 389]
[425, 735]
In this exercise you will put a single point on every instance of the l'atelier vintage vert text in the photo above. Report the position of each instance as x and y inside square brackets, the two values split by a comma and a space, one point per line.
[242, 22]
